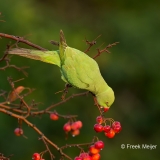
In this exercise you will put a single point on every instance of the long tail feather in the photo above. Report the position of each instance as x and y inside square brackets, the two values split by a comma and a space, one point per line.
[45, 56]
[62, 44]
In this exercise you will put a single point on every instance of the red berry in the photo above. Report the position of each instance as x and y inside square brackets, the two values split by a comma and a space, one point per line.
[106, 128]
[115, 123]
[98, 127]
[67, 127]
[105, 109]
[85, 156]
[99, 119]
[54, 116]
[78, 158]
[110, 134]
[36, 156]
[18, 131]
[82, 155]
[116, 126]
[93, 149]
[96, 156]
[79, 124]
[117, 129]
[99, 145]
[75, 132]
[76, 125]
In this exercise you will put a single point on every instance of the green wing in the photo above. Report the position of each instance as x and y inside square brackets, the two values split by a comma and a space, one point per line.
[45, 56]
[80, 70]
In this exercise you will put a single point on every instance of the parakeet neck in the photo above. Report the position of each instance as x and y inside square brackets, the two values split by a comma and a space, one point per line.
[101, 87]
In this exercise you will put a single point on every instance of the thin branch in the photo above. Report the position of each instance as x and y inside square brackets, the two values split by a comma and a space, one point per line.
[6, 59]
[54, 42]
[21, 39]
[90, 43]
[3, 93]
[47, 110]
[63, 116]
[104, 50]
[51, 155]
[76, 145]
[4, 56]
[2, 157]
[18, 68]
[67, 99]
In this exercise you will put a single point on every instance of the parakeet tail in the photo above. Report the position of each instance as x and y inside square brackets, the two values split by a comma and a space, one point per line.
[62, 40]
[45, 56]
[62, 45]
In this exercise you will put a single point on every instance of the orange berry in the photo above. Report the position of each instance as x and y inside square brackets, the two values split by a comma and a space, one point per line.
[75, 132]
[96, 156]
[110, 134]
[93, 149]
[54, 116]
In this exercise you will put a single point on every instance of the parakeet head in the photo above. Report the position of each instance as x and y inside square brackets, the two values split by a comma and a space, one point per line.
[105, 99]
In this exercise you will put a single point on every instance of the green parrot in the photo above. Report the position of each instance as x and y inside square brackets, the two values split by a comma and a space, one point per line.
[76, 67]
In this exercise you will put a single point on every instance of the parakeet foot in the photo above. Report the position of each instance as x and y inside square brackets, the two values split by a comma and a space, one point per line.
[65, 91]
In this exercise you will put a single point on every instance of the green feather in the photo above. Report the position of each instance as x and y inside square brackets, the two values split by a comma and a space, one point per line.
[45, 56]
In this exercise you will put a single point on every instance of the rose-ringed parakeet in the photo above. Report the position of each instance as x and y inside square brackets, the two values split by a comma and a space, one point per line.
[76, 67]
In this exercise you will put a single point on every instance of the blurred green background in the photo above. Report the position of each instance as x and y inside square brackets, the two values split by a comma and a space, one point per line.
[132, 70]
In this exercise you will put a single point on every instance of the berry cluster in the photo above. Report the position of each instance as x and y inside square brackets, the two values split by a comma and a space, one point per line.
[74, 127]
[109, 130]
[71, 126]
[93, 153]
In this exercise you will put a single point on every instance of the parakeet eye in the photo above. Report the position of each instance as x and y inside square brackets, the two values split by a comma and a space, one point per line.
[107, 104]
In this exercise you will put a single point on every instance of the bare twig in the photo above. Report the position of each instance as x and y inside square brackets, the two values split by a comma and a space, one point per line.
[2, 157]
[21, 69]
[104, 50]
[21, 39]
[76, 145]
[67, 99]
[54, 42]
[3, 93]
[5, 54]
[90, 43]
[7, 60]
[51, 155]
